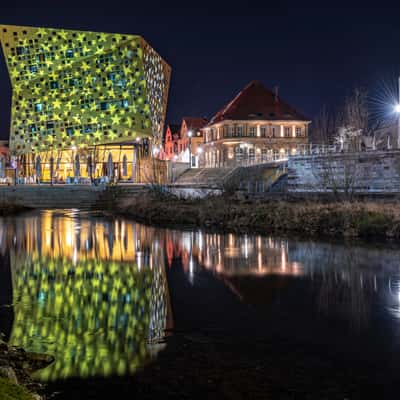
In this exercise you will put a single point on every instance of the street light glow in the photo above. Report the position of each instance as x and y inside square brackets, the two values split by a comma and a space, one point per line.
[397, 108]
[190, 133]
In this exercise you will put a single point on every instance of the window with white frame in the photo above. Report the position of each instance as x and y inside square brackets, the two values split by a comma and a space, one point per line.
[263, 131]
[239, 130]
[252, 131]
[232, 131]
[287, 131]
[273, 131]
[298, 131]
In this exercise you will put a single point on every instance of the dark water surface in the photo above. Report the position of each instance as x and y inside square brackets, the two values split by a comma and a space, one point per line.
[100, 294]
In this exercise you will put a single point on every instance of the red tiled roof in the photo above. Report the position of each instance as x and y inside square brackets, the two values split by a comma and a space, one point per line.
[195, 122]
[257, 102]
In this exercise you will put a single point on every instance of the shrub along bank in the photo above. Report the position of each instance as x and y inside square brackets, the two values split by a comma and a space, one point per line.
[310, 218]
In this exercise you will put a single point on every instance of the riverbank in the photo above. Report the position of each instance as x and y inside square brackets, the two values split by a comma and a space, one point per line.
[305, 218]
[16, 366]
[8, 209]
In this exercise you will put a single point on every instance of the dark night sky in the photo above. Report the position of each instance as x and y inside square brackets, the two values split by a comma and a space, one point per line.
[315, 53]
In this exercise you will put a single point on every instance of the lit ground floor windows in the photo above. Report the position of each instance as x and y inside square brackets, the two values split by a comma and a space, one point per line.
[99, 164]
[229, 154]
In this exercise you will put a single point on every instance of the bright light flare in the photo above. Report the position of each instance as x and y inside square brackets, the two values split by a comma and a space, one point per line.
[397, 108]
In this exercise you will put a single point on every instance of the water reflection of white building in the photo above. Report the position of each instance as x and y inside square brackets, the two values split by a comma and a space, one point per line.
[231, 254]
[345, 278]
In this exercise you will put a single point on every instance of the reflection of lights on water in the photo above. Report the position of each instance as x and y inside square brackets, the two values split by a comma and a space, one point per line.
[191, 270]
[82, 294]
[201, 240]
[283, 261]
[75, 256]
[42, 297]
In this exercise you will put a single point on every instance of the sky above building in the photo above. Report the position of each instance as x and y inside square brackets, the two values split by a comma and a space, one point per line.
[315, 53]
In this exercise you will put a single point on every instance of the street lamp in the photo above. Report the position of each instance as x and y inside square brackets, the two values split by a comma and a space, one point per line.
[190, 134]
[397, 111]
[199, 151]
[156, 151]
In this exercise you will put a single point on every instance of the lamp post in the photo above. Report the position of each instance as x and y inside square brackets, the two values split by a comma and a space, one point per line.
[397, 111]
[190, 134]
[174, 159]
[199, 151]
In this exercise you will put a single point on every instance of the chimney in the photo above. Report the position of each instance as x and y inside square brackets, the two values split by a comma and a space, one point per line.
[276, 93]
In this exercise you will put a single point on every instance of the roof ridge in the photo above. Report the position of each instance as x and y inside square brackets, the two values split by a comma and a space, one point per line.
[255, 100]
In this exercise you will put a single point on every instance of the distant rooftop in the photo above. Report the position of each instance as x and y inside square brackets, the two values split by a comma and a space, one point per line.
[257, 102]
[195, 122]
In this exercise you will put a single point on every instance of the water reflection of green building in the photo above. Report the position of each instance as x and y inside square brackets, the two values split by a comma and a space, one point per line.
[97, 316]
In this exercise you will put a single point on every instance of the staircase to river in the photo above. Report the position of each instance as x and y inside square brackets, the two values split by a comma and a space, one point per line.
[209, 177]
[259, 178]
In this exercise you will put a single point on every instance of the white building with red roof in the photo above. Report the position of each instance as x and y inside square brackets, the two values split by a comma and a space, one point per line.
[256, 126]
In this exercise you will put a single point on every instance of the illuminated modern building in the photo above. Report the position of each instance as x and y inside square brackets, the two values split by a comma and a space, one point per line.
[75, 92]
[256, 126]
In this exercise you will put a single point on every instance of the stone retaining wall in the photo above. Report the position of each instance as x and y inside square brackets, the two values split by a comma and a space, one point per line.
[67, 196]
[377, 171]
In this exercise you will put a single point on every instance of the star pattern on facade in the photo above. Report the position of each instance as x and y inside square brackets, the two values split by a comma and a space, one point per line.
[83, 81]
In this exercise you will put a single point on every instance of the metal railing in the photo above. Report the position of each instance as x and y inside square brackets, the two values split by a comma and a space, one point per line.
[319, 149]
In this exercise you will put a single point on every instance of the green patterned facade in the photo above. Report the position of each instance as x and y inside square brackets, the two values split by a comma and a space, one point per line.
[77, 89]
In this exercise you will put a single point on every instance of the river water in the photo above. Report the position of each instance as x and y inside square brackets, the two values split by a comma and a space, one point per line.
[100, 294]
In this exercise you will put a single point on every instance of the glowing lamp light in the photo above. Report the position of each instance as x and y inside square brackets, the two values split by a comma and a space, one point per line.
[397, 108]
[190, 133]
[156, 150]
[199, 150]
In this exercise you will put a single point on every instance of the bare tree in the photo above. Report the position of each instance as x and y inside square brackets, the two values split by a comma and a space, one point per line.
[339, 174]
[355, 111]
[352, 122]
[323, 127]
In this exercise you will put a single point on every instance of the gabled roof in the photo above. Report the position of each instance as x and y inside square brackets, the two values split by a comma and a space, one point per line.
[257, 102]
[195, 122]
[174, 128]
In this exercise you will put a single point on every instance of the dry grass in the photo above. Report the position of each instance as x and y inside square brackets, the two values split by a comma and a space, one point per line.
[10, 391]
[355, 219]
